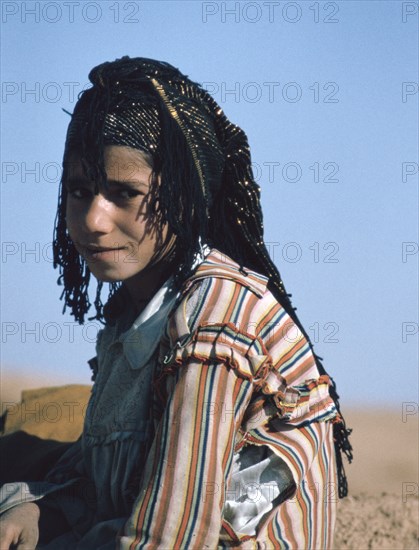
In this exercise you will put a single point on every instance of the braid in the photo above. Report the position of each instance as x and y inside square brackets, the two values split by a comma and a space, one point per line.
[74, 273]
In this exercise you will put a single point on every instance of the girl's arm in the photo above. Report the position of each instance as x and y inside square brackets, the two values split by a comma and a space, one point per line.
[183, 491]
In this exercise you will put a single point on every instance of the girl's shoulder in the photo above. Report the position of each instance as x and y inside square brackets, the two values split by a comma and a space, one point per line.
[221, 292]
[226, 310]
[228, 315]
[217, 265]
[218, 317]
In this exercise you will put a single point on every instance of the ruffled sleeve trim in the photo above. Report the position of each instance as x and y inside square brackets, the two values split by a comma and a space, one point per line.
[297, 405]
[220, 343]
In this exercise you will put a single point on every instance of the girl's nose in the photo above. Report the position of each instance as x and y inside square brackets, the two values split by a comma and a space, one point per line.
[98, 217]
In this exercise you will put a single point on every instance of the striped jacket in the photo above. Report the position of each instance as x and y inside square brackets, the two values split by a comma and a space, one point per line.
[235, 372]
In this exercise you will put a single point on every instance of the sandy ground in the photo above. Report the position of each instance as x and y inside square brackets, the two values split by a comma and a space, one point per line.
[382, 511]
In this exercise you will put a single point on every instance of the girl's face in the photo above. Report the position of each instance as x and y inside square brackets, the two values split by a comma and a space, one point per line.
[115, 230]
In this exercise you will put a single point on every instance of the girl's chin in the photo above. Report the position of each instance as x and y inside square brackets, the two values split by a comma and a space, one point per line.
[108, 275]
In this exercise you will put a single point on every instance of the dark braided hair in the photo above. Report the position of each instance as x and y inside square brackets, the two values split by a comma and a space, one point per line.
[207, 194]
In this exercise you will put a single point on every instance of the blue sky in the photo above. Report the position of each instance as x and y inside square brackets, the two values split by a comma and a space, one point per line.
[327, 93]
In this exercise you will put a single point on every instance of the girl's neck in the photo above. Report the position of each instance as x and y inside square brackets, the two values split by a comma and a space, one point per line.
[143, 286]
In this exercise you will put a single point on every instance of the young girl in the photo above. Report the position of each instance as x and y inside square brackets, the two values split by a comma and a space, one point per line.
[211, 423]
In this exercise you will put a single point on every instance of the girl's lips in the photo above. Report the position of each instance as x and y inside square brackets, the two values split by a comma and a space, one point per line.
[97, 253]
[90, 249]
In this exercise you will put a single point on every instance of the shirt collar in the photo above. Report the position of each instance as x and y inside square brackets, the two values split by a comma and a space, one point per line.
[141, 339]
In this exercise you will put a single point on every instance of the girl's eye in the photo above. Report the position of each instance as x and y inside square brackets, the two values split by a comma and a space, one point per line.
[79, 193]
[115, 195]
[126, 194]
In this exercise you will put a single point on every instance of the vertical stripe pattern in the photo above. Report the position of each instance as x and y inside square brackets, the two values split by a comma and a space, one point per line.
[234, 370]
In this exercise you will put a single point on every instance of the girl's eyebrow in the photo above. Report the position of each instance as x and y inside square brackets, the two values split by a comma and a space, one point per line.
[128, 183]
[76, 181]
